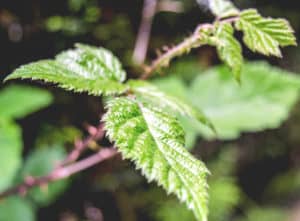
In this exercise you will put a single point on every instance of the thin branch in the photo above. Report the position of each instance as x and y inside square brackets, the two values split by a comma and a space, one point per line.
[81, 145]
[170, 6]
[185, 46]
[60, 173]
[193, 41]
[141, 46]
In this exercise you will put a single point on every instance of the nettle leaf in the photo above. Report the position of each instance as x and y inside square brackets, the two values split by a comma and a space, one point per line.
[39, 163]
[154, 140]
[10, 152]
[222, 8]
[150, 93]
[16, 209]
[84, 69]
[265, 35]
[263, 101]
[229, 49]
[17, 101]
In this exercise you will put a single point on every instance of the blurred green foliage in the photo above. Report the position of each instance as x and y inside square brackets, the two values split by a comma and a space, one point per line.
[234, 109]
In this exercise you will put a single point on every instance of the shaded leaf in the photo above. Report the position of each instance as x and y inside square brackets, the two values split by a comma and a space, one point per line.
[17, 101]
[154, 140]
[10, 152]
[39, 163]
[16, 209]
[265, 214]
[262, 101]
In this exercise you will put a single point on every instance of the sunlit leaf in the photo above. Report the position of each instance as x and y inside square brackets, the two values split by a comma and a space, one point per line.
[154, 140]
[84, 69]
[265, 35]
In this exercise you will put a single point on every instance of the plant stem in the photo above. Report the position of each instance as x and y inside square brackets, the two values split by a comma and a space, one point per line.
[60, 173]
[193, 41]
[141, 46]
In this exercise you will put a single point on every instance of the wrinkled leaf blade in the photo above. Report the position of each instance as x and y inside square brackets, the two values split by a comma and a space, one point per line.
[265, 35]
[151, 93]
[154, 140]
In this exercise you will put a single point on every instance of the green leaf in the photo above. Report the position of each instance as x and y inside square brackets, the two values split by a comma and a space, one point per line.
[224, 196]
[222, 8]
[89, 60]
[16, 209]
[265, 214]
[39, 163]
[263, 101]
[175, 86]
[229, 49]
[84, 69]
[154, 140]
[265, 35]
[18, 101]
[10, 152]
[150, 93]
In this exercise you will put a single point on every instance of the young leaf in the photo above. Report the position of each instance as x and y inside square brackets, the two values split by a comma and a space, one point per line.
[17, 101]
[222, 8]
[229, 49]
[150, 93]
[154, 140]
[10, 152]
[85, 69]
[265, 35]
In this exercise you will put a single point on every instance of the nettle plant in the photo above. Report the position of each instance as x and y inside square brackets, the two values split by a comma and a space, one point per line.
[140, 119]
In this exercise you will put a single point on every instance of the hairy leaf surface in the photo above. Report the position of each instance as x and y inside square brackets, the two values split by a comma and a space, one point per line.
[85, 69]
[229, 49]
[151, 93]
[265, 35]
[154, 140]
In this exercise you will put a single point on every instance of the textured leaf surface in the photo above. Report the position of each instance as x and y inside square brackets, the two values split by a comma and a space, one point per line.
[265, 35]
[151, 93]
[223, 8]
[155, 142]
[39, 163]
[10, 152]
[18, 101]
[262, 101]
[16, 209]
[85, 69]
[229, 49]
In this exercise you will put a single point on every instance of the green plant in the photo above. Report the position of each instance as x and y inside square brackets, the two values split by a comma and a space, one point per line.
[141, 119]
